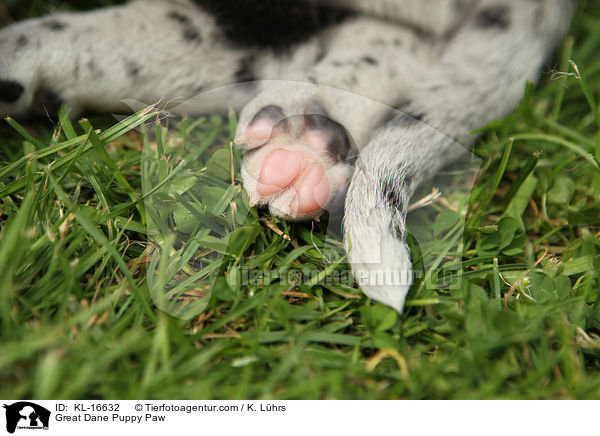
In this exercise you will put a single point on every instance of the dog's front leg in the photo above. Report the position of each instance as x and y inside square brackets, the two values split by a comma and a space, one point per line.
[480, 77]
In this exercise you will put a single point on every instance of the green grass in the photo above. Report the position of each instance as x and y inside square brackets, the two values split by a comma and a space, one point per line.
[78, 321]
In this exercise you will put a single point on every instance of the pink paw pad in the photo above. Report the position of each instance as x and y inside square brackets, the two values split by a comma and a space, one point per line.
[296, 174]
[266, 124]
[312, 192]
[278, 171]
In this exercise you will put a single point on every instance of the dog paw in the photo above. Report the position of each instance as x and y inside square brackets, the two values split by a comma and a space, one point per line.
[296, 164]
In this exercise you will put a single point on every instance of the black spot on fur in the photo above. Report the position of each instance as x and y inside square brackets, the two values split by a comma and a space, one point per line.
[274, 24]
[369, 60]
[94, 68]
[493, 17]
[10, 91]
[132, 69]
[245, 71]
[321, 55]
[180, 18]
[190, 33]
[22, 42]
[420, 33]
[403, 117]
[391, 196]
[55, 25]
[391, 192]
[198, 89]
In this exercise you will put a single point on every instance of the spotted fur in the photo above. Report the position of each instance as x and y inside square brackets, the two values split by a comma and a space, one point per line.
[450, 66]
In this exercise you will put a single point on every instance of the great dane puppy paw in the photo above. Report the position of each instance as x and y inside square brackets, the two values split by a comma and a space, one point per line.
[296, 164]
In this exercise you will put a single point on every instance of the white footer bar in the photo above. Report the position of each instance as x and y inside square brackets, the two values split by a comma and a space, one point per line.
[307, 418]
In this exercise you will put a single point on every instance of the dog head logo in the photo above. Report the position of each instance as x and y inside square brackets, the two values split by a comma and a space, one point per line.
[26, 415]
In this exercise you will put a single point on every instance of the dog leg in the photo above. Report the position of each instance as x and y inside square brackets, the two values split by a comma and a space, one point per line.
[145, 50]
[297, 137]
[480, 77]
